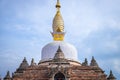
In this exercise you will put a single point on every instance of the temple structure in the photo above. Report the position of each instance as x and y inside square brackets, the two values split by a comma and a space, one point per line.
[59, 60]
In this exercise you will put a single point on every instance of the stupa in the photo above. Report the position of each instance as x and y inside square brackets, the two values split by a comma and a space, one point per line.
[59, 60]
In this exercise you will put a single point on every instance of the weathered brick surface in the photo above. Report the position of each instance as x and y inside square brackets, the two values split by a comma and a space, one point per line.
[72, 73]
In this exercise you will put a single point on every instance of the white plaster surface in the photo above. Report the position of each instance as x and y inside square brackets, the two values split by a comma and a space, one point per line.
[49, 50]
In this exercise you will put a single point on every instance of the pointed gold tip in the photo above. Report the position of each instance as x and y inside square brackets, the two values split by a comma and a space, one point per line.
[58, 25]
[58, 4]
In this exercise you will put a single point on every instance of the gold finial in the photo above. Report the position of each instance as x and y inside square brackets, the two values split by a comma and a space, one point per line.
[58, 4]
[58, 25]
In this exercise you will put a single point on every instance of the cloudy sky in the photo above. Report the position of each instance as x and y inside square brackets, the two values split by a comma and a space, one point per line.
[92, 26]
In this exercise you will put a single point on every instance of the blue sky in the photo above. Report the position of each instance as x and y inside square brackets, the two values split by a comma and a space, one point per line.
[92, 26]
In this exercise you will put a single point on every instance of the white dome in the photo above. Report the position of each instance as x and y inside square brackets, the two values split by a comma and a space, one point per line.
[49, 50]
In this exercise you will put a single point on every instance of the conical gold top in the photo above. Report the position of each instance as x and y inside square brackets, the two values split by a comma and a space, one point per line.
[58, 25]
[58, 20]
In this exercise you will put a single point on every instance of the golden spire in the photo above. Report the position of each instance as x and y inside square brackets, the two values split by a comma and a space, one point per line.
[58, 25]
[58, 4]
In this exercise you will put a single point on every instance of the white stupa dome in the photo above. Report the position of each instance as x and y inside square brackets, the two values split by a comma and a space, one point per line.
[49, 50]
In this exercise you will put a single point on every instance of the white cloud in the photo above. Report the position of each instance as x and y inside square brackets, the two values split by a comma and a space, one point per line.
[112, 45]
[116, 64]
[21, 27]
